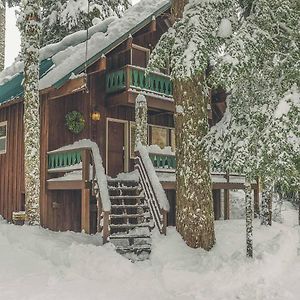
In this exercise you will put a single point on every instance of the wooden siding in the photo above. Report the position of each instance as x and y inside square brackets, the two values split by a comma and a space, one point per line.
[11, 163]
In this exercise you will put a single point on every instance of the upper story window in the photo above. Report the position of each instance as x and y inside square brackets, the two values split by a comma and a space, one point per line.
[3, 137]
[162, 136]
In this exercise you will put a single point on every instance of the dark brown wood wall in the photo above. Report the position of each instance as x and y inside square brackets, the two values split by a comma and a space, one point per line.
[60, 210]
[11, 163]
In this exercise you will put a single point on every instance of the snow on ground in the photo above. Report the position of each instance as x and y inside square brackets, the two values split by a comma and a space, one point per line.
[39, 264]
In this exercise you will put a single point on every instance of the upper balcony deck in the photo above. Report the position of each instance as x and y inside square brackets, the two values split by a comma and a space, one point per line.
[123, 85]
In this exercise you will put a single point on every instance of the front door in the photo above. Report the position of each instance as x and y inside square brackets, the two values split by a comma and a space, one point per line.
[116, 153]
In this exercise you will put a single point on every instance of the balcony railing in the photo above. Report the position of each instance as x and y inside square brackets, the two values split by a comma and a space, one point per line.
[136, 78]
[163, 161]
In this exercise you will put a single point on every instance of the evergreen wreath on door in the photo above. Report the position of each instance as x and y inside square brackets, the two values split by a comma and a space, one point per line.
[75, 121]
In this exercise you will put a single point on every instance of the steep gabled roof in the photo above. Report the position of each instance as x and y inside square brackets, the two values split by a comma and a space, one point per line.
[62, 60]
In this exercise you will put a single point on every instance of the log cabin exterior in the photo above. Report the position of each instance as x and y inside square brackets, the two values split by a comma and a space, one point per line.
[107, 84]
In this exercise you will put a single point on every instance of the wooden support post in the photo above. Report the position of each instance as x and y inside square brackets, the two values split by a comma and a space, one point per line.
[227, 201]
[226, 205]
[256, 198]
[165, 222]
[85, 210]
[85, 192]
[105, 232]
[153, 25]
[127, 77]
[102, 64]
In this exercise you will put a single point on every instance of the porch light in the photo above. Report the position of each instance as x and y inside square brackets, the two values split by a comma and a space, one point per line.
[96, 116]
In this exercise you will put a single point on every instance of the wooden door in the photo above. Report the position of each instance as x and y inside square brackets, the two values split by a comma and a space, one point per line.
[116, 148]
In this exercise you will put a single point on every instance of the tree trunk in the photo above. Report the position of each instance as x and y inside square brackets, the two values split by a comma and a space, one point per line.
[249, 226]
[194, 217]
[31, 109]
[2, 34]
[266, 204]
[194, 209]
[141, 129]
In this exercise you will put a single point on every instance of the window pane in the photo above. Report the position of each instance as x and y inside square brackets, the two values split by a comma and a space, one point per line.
[2, 145]
[159, 136]
[173, 139]
[3, 131]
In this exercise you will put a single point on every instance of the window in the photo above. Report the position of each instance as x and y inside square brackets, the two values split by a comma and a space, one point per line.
[157, 135]
[3, 137]
[162, 136]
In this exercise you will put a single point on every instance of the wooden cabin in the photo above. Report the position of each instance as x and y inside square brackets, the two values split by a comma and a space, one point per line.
[103, 90]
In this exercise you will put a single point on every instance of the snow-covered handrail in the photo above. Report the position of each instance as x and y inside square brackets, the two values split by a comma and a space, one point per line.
[154, 192]
[63, 154]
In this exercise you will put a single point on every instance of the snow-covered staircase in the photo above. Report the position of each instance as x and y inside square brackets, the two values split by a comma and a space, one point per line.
[130, 220]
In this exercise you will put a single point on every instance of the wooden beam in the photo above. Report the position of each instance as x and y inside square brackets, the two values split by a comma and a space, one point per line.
[85, 210]
[227, 201]
[153, 25]
[70, 87]
[256, 199]
[226, 205]
[66, 185]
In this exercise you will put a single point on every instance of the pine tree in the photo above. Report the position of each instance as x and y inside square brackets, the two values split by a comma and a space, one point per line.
[63, 17]
[260, 66]
[189, 46]
[31, 38]
[2, 28]
[2, 34]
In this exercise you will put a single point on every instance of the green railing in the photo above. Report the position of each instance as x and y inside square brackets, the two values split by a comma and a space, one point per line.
[132, 77]
[161, 161]
[115, 81]
[64, 159]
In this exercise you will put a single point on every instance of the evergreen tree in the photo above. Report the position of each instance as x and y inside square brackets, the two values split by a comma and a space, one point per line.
[189, 46]
[2, 34]
[63, 17]
[260, 66]
[2, 28]
[31, 37]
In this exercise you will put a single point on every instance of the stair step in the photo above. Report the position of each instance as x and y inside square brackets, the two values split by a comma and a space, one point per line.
[130, 226]
[124, 188]
[122, 183]
[130, 236]
[114, 216]
[129, 206]
[134, 248]
[126, 197]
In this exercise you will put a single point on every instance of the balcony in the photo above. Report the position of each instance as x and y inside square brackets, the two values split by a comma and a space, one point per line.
[134, 80]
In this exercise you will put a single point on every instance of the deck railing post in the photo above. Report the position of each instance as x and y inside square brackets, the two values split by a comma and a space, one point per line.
[227, 200]
[85, 192]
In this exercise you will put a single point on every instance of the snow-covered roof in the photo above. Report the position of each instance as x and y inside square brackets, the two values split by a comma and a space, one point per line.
[68, 56]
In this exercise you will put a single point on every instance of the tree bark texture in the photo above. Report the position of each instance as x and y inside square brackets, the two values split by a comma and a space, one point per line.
[141, 131]
[2, 35]
[266, 204]
[249, 218]
[31, 110]
[194, 211]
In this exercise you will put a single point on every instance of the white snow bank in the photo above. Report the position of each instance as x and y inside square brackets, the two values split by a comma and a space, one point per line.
[158, 189]
[38, 264]
[100, 172]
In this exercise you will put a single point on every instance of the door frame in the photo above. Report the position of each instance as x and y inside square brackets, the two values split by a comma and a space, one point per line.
[126, 162]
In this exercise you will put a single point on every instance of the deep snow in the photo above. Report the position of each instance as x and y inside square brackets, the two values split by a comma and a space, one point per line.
[39, 264]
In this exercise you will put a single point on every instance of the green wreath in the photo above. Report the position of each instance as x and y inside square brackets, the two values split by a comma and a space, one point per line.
[75, 121]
